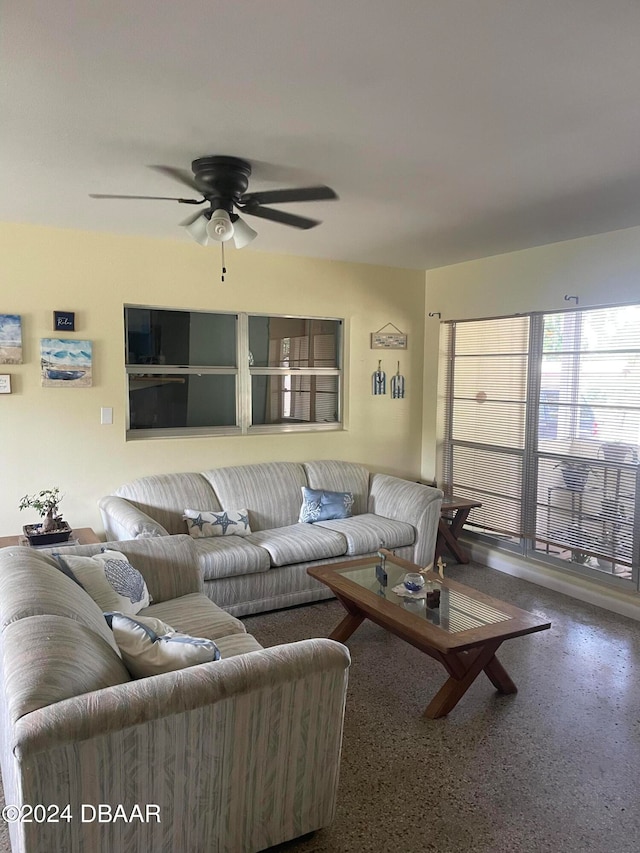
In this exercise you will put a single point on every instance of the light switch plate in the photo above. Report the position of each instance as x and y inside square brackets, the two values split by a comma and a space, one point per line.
[106, 415]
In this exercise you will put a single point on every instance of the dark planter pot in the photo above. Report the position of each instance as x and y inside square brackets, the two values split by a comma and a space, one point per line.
[574, 479]
[34, 534]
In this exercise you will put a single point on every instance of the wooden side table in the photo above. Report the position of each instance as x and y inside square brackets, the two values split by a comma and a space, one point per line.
[84, 535]
[450, 526]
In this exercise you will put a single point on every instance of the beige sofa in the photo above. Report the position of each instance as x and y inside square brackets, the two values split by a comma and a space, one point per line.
[235, 755]
[267, 569]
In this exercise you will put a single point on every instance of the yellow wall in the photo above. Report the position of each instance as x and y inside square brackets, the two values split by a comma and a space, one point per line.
[53, 437]
[599, 270]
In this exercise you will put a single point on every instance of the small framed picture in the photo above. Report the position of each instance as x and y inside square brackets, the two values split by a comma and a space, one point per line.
[64, 321]
[5, 383]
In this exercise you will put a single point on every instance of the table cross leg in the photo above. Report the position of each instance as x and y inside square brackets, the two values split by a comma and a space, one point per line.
[467, 666]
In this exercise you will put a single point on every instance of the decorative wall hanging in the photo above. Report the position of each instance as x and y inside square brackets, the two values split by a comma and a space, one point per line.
[10, 339]
[388, 340]
[379, 381]
[397, 385]
[64, 321]
[5, 383]
[65, 363]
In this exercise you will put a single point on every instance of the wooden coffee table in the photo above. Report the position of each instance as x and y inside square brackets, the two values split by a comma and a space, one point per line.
[84, 535]
[463, 633]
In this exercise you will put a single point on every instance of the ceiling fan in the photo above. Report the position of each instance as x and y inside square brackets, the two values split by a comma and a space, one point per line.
[222, 182]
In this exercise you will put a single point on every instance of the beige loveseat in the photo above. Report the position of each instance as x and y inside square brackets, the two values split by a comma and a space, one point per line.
[267, 569]
[235, 755]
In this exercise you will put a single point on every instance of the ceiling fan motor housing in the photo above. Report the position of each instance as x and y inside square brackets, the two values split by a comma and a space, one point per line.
[222, 180]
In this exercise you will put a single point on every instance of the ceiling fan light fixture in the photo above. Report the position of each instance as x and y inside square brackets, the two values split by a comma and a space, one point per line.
[243, 234]
[198, 230]
[220, 227]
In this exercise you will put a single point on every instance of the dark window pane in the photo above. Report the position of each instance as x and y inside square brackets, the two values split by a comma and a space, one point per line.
[292, 399]
[180, 338]
[293, 342]
[166, 401]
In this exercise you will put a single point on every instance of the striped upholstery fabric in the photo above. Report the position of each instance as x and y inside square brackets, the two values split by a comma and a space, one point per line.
[168, 564]
[123, 520]
[50, 658]
[166, 496]
[272, 491]
[298, 543]
[224, 556]
[240, 755]
[31, 586]
[338, 476]
[237, 644]
[366, 533]
[281, 586]
[196, 615]
[414, 503]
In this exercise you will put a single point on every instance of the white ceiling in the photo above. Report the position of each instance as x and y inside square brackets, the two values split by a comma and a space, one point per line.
[451, 129]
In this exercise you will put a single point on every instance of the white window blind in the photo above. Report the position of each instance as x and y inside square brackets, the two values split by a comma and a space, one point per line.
[540, 417]
[483, 452]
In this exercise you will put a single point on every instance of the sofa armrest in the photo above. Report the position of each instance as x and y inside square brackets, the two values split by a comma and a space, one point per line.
[239, 754]
[123, 520]
[415, 503]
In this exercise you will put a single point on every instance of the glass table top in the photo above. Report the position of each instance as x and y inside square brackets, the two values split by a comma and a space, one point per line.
[456, 612]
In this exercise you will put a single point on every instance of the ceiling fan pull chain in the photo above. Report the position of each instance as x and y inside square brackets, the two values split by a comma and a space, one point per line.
[224, 269]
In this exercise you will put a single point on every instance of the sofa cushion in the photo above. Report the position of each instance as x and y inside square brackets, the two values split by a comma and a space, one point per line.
[165, 496]
[338, 476]
[237, 644]
[225, 556]
[109, 578]
[320, 505]
[368, 532]
[298, 543]
[196, 615]
[202, 524]
[150, 646]
[50, 658]
[32, 584]
[270, 491]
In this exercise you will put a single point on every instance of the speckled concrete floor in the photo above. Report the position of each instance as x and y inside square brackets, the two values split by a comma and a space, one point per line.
[555, 767]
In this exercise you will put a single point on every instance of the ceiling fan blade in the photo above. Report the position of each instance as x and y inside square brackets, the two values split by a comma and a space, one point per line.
[191, 219]
[318, 193]
[150, 198]
[280, 216]
[183, 176]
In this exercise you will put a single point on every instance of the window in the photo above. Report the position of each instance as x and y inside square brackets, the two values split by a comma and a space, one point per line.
[195, 372]
[541, 422]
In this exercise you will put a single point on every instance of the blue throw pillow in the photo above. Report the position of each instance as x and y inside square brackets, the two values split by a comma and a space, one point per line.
[320, 505]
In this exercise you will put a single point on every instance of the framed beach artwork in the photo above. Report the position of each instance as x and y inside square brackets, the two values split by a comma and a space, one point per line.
[65, 363]
[10, 339]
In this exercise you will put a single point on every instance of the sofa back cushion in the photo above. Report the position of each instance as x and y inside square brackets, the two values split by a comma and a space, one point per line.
[168, 564]
[271, 491]
[47, 659]
[31, 584]
[166, 496]
[338, 476]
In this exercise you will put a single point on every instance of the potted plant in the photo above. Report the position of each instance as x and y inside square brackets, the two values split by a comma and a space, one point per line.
[53, 529]
[574, 473]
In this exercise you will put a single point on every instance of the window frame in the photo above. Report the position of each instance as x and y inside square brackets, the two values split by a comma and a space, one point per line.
[243, 373]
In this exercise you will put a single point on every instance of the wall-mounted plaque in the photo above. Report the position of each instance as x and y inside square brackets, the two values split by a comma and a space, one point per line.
[388, 340]
[64, 321]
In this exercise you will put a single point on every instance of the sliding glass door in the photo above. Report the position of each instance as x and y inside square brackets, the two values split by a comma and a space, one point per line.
[541, 422]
